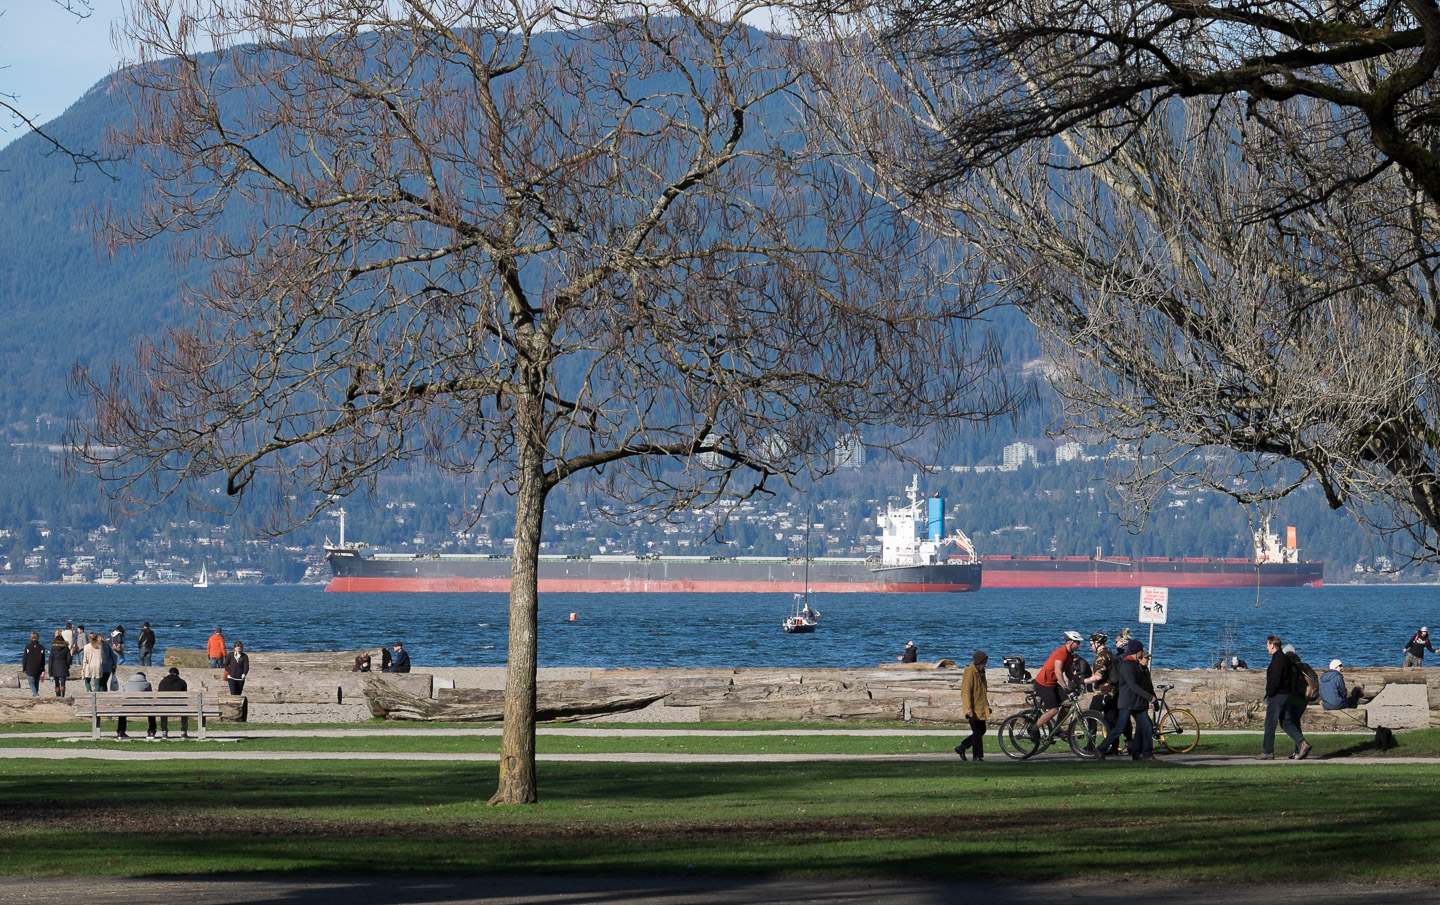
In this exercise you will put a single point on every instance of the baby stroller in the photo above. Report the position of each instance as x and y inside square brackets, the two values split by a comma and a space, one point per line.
[1017, 672]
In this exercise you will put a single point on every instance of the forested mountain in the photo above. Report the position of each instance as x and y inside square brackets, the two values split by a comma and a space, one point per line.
[65, 299]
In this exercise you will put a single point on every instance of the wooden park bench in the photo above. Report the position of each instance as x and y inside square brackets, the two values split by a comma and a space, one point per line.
[145, 704]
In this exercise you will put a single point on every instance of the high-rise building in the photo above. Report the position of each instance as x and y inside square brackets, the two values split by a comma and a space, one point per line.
[1067, 452]
[849, 452]
[1018, 454]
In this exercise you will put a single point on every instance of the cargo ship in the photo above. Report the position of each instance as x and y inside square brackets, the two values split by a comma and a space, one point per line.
[916, 556]
[1271, 566]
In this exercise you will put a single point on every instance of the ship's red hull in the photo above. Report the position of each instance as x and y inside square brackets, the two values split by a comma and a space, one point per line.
[995, 578]
[1194, 572]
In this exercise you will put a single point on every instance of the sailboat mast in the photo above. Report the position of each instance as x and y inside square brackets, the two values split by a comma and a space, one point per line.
[807, 555]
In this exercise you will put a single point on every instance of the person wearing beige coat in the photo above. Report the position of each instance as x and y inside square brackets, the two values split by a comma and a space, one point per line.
[91, 665]
[975, 697]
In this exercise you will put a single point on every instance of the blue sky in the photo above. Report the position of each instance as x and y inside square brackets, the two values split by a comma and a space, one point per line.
[50, 58]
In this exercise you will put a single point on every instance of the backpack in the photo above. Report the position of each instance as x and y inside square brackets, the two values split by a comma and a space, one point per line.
[1304, 683]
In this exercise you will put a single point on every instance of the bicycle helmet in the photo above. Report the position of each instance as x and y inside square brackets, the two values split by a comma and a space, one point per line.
[1073, 636]
[1099, 638]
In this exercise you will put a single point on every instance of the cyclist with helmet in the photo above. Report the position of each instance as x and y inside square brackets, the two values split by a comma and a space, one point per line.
[1102, 673]
[1057, 669]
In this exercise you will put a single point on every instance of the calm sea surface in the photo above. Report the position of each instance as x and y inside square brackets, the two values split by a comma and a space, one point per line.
[1364, 626]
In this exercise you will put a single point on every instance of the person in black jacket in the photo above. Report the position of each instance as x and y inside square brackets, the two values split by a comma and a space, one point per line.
[173, 682]
[237, 668]
[1131, 700]
[146, 644]
[1415, 650]
[401, 660]
[1277, 702]
[59, 663]
[32, 662]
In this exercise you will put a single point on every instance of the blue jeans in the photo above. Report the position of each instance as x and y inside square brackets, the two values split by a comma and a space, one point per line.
[34, 686]
[1278, 710]
[217, 662]
[145, 655]
[1144, 743]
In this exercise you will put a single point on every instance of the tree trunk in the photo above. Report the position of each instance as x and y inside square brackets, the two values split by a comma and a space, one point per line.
[517, 744]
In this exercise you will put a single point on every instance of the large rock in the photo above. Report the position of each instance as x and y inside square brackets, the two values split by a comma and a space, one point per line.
[1400, 707]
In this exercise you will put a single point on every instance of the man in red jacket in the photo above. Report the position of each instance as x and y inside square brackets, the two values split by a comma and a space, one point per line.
[1056, 670]
[215, 649]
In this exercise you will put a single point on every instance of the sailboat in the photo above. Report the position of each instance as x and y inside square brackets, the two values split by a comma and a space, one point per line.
[204, 581]
[805, 619]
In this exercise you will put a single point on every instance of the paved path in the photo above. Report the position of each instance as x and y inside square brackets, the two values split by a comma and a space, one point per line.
[672, 891]
[228, 746]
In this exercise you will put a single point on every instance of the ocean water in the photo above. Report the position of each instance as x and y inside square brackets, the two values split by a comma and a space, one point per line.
[1362, 625]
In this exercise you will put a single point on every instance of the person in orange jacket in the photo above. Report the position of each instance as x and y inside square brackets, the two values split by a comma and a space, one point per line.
[215, 649]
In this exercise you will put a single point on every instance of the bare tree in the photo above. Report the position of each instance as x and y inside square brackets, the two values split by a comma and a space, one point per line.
[10, 104]
[1222, 218]
[527, 244]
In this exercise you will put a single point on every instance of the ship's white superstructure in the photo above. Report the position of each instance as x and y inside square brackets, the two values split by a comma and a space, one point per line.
[912, 535]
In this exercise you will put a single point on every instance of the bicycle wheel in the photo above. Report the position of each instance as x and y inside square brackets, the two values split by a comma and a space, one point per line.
[1016, 741]
[1178, 731]
[1087, 732]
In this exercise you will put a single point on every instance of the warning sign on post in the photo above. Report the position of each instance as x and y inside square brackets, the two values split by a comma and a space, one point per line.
[1154, 603]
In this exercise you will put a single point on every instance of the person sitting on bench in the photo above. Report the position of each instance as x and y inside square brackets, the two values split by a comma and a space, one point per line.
[136, 683]
[173, 682]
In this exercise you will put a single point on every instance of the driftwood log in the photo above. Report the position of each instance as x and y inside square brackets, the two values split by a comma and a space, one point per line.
[555, 701]
[290, 661]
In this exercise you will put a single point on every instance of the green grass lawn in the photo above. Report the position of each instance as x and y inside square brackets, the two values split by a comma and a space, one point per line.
[923, 818]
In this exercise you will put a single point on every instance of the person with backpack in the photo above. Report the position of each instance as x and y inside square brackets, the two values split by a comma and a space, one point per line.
[1304, 688]
[1277, 701]
[1133, 700]
[117, 644]
[1415, 650]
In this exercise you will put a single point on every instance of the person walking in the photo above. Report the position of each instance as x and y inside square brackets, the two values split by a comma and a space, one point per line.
[173, 682]
[90, 664]
[79, 642]
[237, 668]
[32, 663]
[60, 661]
[1132, 700]
[146, 644]
[1298, 699]
[975, 698]
[107, 661]
[1277, 701]
[117, 644]
[1415, 650]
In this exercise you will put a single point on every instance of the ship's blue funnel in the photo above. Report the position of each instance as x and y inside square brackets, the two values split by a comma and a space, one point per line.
[937, 518]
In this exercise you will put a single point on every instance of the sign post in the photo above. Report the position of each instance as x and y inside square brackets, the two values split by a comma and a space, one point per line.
[1154, 607]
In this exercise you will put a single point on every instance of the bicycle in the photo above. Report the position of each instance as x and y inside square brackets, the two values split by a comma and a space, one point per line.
[1174, 727]
[1084, 730]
